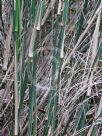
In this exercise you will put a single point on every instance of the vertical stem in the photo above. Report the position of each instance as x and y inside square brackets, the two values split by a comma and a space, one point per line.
[33, 11]
[16, 84]
[16, 94]
[16, 25]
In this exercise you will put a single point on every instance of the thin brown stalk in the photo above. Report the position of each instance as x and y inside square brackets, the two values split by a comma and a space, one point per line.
[7, 48]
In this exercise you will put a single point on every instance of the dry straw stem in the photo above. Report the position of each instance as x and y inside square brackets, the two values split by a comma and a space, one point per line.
[90, 130]
[7, 72]
[62, 48]
[21, 17]
[95, 40]
[34, 33]
[32, 41]
[14, 4]
[99, 108]
[40, 17]
[49, 131]
[2, 114]
[16, 96]
[94, 46]
[96, 116]
[7, 48]
[82, 36]
[59, 7]
[48, 10]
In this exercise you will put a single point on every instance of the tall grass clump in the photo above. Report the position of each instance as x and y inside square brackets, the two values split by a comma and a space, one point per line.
[50, 67]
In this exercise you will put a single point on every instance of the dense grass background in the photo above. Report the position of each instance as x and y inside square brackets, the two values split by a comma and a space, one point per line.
[50, 67]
